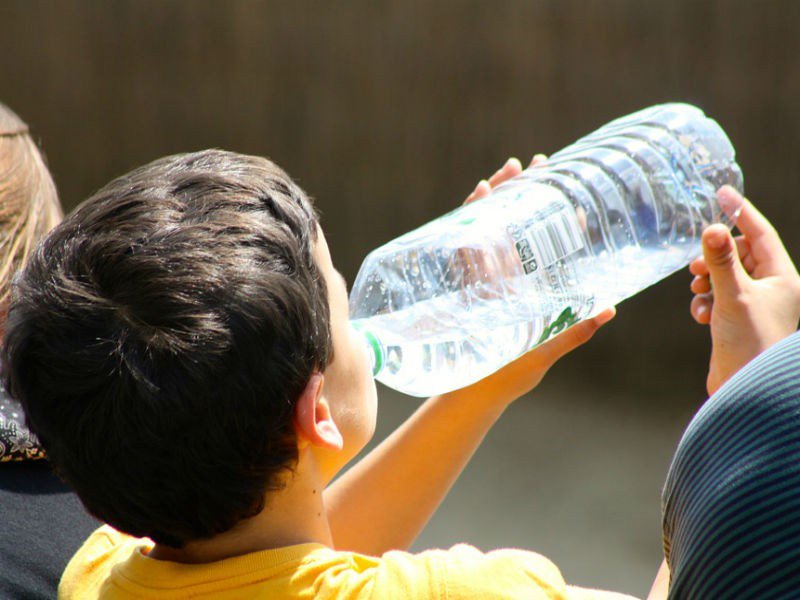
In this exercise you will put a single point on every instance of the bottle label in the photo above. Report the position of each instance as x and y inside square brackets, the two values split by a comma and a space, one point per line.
[548, 236]
[565, 320]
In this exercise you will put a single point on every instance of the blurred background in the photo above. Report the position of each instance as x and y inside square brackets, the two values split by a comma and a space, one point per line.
[388, 113]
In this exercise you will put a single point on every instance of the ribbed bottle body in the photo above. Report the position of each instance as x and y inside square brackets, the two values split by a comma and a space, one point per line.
[615, 212]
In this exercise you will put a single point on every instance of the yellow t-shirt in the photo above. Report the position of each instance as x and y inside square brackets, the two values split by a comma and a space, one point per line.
[115, 566]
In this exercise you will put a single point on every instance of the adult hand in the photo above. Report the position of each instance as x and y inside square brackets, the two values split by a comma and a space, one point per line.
[755, 301]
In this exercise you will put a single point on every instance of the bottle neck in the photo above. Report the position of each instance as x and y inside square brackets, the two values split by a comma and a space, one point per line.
[374, 347]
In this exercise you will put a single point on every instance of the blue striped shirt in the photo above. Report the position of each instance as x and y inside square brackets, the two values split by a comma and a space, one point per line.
[731, 502]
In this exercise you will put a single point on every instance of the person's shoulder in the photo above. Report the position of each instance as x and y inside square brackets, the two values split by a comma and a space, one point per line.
[106, 540]
[464, 571]
[93, 562]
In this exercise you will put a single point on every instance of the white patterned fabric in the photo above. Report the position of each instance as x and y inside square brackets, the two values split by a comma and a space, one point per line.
[16, 441]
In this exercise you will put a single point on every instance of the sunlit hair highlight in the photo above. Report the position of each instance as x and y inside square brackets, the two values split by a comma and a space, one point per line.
[29, 205]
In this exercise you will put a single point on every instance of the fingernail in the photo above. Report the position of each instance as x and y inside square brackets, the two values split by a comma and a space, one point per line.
[717, 240]
[605, 316]
[730, 201]
[512, 162]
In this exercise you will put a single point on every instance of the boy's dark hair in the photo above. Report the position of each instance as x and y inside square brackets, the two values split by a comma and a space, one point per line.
[160, 336]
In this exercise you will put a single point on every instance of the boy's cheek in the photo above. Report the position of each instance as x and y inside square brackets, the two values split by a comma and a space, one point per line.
[360, 349]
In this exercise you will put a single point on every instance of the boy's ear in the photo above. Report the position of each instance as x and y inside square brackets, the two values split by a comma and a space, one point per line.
[313, 419]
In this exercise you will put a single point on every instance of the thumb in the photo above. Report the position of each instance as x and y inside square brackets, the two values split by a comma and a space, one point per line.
[722, 259]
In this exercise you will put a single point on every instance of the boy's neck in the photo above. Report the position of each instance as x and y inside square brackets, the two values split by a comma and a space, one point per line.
[293, 515]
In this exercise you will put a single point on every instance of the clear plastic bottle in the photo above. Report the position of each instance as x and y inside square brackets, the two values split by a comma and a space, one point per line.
[453, 301]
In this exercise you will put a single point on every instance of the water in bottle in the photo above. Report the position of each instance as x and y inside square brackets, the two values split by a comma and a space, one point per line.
[453, 301]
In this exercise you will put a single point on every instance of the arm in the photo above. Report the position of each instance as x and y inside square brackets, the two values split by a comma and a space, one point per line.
[385, 500]
[660, 584]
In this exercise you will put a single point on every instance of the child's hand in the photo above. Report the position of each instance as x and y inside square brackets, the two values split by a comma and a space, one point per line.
[512, 168]
[370, 509]
[525, 373]
[756, 289]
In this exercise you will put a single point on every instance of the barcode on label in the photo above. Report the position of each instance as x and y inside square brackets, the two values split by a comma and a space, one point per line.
[555, 237]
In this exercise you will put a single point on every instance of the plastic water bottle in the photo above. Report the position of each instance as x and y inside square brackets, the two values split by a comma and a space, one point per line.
[453, 301]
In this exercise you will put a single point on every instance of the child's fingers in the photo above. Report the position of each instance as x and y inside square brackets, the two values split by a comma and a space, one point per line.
[538, 159]
[510, 169]
[482, 189]
[700, 285]
[575, 336]
[700, 308]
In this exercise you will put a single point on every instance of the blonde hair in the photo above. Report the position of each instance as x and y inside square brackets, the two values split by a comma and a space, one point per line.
[29, 205]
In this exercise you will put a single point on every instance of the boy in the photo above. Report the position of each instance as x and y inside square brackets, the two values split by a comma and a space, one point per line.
[181, 346]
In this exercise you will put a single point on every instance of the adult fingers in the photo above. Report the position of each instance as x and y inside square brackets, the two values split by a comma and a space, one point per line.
[699, 267]
[700, 308]
[700, 285]
[722, 259]
[764, 242]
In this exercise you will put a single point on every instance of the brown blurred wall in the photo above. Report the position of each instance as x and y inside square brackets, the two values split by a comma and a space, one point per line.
[389, 112]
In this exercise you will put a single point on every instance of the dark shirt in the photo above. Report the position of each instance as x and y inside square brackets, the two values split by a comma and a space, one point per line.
[732, 496]
[43, 524]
